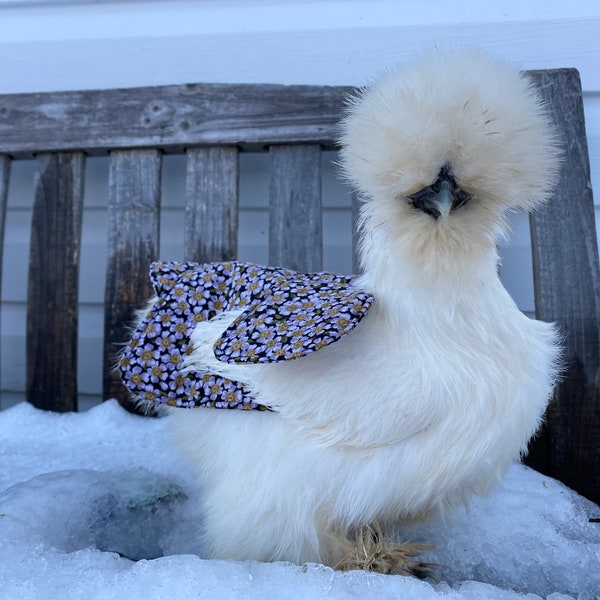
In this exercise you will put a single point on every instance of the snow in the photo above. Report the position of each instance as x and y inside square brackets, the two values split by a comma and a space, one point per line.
[97, 505]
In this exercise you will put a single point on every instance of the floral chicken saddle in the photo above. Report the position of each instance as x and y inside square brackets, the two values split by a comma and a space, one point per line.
[285, 315]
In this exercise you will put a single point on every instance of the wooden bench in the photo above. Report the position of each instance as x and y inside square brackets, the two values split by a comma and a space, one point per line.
[211, 125]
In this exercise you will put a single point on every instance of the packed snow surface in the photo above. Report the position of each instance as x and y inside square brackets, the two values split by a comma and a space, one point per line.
[97, 505]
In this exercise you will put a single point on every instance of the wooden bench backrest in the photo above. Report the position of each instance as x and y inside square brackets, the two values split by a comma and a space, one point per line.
[211, 125]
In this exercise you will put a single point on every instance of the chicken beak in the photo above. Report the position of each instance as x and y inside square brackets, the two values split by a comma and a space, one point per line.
[441, 197]
[440, 204]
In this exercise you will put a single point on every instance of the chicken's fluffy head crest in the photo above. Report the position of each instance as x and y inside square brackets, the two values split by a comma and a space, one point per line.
[460, 111]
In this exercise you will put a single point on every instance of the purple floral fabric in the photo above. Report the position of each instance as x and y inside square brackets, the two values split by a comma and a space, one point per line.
[299, 315]
[286, 315]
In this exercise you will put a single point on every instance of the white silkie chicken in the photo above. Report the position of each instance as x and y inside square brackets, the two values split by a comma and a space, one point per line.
[428, 395]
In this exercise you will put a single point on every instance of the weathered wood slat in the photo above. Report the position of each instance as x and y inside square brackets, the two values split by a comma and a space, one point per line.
[567, 291]
[53, 281]
[295, 214]
[133, 243]
[211, 204]
[170, 117]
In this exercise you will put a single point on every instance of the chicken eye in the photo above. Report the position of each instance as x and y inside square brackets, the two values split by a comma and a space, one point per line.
[461, 198]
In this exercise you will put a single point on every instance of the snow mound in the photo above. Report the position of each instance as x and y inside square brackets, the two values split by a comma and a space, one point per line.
[97, 505]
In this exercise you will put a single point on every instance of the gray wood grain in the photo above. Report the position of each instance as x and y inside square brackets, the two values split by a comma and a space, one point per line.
[295, 213]
[567, 286]
[170, 117]
[211, 204]
[133, 243]
[53, 281]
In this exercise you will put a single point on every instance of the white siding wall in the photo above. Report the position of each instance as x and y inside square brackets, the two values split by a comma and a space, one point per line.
[62, 45]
